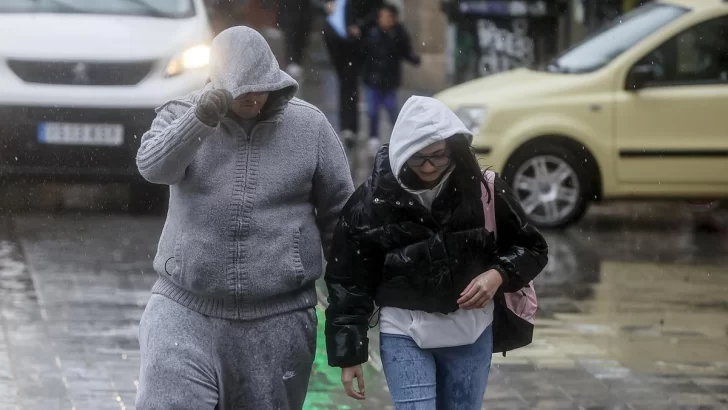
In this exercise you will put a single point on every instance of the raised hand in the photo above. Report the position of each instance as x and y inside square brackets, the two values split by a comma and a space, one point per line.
[213, 105]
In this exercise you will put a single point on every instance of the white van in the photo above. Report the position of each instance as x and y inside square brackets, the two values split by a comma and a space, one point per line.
[80, 79]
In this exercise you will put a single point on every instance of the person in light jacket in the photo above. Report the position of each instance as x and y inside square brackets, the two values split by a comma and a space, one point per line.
[257, 180]
[412, 238]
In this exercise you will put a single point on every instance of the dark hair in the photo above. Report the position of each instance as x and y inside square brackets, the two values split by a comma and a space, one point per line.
[390, 8]
[462, 155]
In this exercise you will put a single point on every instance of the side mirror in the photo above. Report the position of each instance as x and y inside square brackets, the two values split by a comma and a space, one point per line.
[640, 76]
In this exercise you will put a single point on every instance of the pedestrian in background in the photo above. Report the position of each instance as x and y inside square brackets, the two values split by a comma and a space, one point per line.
[413, 239]
[385, 45]
[294, 18]
[257, 180]
[342, 34]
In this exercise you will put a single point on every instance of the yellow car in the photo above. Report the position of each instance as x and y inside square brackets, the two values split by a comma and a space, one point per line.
[639, 109]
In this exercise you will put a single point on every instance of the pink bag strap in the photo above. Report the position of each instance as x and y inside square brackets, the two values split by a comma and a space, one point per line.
[489, 206]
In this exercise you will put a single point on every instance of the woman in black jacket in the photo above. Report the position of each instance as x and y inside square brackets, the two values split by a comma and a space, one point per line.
[412, 239]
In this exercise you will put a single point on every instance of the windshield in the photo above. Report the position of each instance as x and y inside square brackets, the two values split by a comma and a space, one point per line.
[616, 37]
[149, 8]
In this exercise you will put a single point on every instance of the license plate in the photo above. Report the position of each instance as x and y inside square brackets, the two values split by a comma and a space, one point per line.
[64, 133]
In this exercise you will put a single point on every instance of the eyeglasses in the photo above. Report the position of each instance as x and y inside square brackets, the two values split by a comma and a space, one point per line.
[437, 161]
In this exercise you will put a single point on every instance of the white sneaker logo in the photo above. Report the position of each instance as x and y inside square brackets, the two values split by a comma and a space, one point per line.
[289, 375]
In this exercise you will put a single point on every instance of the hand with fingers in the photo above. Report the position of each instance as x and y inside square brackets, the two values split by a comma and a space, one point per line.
[481, 290]
[347, 378]
[213, 105]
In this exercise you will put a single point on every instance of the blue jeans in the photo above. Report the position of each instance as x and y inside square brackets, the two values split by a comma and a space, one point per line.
[375, 99]
[450, 378]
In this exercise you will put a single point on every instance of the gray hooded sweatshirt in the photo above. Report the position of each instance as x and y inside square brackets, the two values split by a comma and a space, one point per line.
[248, 213]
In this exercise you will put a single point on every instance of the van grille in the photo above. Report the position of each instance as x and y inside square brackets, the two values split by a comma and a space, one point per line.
[81, 73]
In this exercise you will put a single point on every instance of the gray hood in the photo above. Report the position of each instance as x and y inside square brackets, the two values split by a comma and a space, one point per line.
[241, 62]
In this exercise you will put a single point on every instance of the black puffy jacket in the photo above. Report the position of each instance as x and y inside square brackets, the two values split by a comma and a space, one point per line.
[391, 250]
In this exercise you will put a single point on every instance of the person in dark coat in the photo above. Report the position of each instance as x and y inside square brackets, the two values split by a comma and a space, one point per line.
[384, 45]
[294, 18]
[413, 240]
[342, 35]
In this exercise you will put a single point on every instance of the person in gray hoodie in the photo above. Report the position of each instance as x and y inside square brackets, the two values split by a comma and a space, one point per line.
[257, 180]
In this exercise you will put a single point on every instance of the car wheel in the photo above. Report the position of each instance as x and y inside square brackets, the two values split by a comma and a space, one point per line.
[550, 183]
[146, 198]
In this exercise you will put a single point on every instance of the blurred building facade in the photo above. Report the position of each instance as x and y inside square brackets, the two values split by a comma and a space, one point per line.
[258, 14]
[459, 39]
[261, 15]
[465, 39]
[596, 12]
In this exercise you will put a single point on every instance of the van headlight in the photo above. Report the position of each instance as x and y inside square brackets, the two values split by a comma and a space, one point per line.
[473, 117]
[190, 59]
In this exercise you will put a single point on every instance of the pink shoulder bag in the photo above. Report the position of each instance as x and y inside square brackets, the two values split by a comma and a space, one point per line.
[515, 313]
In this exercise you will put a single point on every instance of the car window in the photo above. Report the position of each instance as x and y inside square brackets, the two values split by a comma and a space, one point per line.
[697, 55]
[615, 38]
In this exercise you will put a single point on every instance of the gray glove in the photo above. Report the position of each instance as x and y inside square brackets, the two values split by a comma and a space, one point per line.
[213, 105]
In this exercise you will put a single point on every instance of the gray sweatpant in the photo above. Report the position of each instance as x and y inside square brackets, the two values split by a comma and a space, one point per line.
[190, 361]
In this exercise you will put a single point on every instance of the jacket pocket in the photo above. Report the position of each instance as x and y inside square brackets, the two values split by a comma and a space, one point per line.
[297, 262]
[175, 267]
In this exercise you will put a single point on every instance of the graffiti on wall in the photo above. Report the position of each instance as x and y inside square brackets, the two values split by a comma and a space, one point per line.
[503, 48]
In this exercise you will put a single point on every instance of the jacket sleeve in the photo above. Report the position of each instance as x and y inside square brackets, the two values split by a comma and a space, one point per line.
[522, 250]
[332, 184]
[171, 144]
[406, 50]
[352, 276]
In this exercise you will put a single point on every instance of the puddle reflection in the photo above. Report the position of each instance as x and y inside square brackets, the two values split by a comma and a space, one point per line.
[651, 301]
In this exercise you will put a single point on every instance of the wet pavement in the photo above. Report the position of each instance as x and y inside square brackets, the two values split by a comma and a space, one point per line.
[634, 313]
[634, 316]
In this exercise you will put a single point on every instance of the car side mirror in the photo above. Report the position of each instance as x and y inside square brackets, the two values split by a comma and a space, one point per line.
[640, 76]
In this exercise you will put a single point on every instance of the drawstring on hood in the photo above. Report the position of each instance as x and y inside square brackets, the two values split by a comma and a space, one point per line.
[242, 62]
